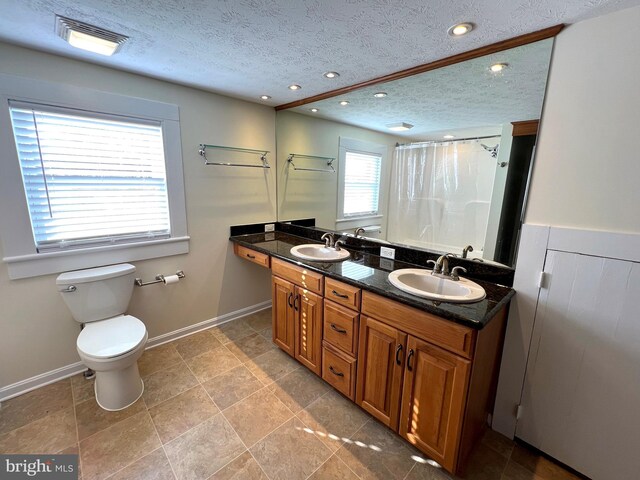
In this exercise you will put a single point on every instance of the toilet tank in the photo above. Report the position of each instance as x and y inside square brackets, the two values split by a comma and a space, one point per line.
[97, 293]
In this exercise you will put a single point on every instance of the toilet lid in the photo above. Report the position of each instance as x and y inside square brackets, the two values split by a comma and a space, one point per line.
[111, 337]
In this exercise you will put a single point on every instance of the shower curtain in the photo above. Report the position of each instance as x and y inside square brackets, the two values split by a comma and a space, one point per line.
[441, 195]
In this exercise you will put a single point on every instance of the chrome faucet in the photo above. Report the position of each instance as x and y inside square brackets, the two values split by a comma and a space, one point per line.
[359, 231]
[441, 266]
[466, 250]
[338, 244]
[329, 239]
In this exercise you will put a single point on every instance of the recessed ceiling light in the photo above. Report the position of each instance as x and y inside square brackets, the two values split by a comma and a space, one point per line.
[460, 29]
[265, 97]
[498, 67]
[449, 137]
[399, 127]
[89, 37]
[344, 102]
[380, 94]
[331, 74]
[294, 87]
[314, 110]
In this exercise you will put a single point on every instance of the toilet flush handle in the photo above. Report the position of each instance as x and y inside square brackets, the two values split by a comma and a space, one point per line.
[70, 289]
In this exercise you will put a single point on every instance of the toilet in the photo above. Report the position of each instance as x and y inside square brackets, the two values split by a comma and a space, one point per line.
[110, 342]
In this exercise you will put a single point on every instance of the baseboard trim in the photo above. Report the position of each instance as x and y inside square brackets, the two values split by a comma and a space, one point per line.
[24, 386]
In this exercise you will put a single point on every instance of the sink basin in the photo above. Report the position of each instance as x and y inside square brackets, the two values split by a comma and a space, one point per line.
[319, 253]
[420, 282]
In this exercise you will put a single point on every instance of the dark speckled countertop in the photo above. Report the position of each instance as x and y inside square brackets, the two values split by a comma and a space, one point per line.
[370, 273]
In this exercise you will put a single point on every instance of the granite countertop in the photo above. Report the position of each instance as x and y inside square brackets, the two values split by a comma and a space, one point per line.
[370, 273]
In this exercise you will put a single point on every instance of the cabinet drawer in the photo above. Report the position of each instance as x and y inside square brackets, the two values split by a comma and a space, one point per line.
[311, 281]
[342, 293]
[340, 327]
[451, 336]
[339, 371]
[251, 255]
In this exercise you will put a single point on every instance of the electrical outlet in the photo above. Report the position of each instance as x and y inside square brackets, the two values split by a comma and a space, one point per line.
[386, 264]
[269, 227]
[387, 252]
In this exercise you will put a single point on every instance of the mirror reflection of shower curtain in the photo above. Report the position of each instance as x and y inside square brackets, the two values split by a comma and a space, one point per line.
[440, 195]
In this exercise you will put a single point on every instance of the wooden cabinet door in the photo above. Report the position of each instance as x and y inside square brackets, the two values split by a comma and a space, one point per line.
[308, 329]
[381, 355]
[283, 314]
[433, 400]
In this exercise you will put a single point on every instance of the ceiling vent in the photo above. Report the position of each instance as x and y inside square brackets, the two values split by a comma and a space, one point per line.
[89, 37]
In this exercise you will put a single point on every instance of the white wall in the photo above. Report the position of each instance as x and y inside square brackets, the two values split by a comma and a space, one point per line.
[586, 172]
[37, 334]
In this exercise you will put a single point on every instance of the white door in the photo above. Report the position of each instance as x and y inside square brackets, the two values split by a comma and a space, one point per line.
[581, 397]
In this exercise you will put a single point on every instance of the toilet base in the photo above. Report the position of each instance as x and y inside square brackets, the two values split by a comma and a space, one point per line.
[118, 389]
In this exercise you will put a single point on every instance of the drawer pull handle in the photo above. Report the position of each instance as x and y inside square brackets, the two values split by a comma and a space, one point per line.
[339, 294]
[339, 330]
[289, 300]
[337, 374]
[398, 352]
[411, 353]
[252, 257]
[295, 303]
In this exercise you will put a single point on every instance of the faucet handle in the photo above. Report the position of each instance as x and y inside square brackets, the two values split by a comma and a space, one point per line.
[429, 262]
[338, 244]
[454, 273]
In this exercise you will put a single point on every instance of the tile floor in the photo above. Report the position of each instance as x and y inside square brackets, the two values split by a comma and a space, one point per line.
[226, 404]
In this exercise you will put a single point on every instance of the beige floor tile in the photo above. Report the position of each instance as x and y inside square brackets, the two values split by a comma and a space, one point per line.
[377, 453]
[83, 389]
[298, 389]
[91, 418]
[196, 344]
[158, 358]
[232, 331]
[484, 464]
[232, 386]
[515, 471]
[260, 320]
[205, 449]
[497, 442]
[110, 450]
[49, 434]
[541, 466]
[212, 363]
[242, 468]
[250, 347]
[73, 450]
[333, 417]
[257, 415]
[424, 471]
[36, 404]
[182, 412]
[272, 365]
[333, 469]
[267, 333]
[163, 385]
[154, 466]
[290, 452]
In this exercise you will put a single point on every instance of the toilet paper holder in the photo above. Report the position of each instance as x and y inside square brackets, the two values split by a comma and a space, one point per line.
[159, 279]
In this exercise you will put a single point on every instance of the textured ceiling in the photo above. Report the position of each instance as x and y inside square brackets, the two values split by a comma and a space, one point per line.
[245, 48]
[462, 99]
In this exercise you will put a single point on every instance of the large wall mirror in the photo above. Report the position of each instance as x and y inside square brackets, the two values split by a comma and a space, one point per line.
[432, 160]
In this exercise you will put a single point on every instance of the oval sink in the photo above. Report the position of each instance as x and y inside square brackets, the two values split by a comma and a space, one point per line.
[319, 253]
[420, 282]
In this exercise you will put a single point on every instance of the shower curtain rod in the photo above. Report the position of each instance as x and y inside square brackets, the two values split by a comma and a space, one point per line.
[446, 141]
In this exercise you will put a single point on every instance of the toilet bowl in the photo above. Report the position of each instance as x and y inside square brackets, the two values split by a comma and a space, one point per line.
[110, 342]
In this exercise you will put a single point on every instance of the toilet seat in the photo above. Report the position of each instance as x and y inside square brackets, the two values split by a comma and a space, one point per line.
[111, 337]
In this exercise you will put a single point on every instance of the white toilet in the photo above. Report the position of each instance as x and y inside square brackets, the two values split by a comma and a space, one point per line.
[110, 342]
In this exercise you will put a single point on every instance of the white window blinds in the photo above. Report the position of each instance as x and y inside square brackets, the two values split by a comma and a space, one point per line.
[361, 184]
[90, 179]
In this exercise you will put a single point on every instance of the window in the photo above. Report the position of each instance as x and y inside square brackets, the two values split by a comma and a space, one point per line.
[90, 180]
[87, 178]
[360, 177]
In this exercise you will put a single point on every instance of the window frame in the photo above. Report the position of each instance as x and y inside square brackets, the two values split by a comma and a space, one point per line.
[367, 148]
[16, 234]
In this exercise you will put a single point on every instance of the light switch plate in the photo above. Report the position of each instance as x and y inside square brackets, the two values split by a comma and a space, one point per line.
[387, 252]
[269, 227]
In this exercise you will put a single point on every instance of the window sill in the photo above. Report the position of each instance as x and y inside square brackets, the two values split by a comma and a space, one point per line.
[356, 217]
[34, 265]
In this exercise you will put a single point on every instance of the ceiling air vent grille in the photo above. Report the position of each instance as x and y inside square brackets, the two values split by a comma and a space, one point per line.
[64, 27]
